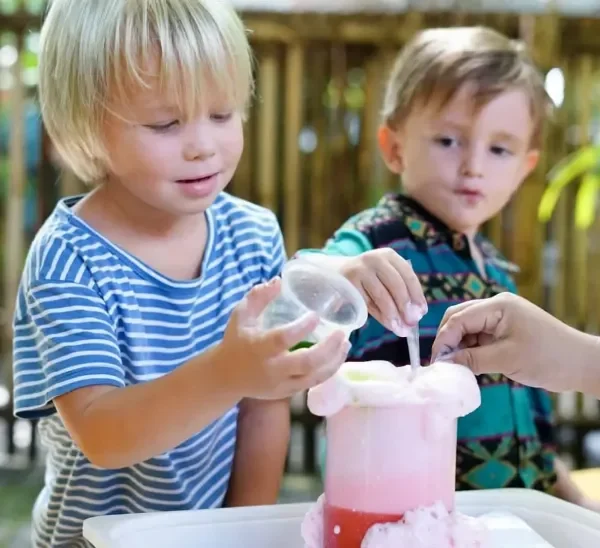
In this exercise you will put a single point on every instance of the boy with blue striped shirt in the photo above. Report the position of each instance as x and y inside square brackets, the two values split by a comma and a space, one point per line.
[136, 340]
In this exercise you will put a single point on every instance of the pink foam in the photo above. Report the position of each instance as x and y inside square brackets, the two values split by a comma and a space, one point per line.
[425, 527]
[312, 525]
[428, 527]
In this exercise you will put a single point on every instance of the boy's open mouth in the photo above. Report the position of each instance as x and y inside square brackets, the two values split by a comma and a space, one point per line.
[203, 179]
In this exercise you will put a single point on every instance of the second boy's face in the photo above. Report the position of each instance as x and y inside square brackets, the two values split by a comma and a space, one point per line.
[464, 166]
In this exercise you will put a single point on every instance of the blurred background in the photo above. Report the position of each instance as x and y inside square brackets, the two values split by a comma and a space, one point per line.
[311, 156]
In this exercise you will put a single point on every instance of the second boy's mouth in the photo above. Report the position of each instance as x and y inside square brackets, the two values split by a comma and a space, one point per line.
[470, 195]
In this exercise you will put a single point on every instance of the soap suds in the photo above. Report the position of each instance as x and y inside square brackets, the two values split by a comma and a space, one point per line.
[421, 528]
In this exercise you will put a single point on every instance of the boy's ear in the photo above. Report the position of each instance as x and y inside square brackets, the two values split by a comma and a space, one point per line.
[531, 161]
[390, 148]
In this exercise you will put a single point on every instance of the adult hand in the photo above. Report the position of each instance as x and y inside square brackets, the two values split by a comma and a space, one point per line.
[507, 334]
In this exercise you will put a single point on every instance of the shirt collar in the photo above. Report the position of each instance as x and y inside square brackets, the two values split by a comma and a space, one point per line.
[428, 228]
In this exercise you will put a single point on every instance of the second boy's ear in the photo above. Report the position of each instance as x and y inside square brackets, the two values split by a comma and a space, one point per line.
[390, 148]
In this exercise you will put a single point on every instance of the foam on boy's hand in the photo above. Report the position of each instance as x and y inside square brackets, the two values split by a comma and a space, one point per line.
[413, 313]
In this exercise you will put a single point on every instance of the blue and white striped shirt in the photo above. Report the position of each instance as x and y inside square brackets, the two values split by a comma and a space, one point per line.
[89, 313]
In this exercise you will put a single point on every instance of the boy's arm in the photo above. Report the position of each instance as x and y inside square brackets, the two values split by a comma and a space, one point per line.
[118, 427]
[346, 242]
[80, 374]
[263, 432]
[261, 450]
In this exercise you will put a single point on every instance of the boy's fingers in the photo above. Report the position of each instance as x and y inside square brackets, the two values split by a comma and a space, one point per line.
[306, 361]
[411, 280]
[380, 297]
[331, 366]
[255, 302]
[394, 283]
[281, 339]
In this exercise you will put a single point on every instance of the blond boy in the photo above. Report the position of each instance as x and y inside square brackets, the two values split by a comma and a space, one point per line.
[134, 343]
[137, 337]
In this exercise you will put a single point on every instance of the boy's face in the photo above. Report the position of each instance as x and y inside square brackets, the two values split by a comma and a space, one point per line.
[173, 166]
[463, 165]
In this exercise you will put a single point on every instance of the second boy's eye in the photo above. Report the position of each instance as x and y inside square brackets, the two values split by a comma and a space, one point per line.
[446, 142]
[500, 151]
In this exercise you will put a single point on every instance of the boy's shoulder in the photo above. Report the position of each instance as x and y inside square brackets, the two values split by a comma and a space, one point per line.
[249, 232]
[60, 247]
[234, 212]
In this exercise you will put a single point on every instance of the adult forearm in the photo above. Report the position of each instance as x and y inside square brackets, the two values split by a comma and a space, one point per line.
[586, 365]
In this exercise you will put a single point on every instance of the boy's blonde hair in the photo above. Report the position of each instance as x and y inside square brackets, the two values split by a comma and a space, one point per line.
[92, 51]
[438, 62]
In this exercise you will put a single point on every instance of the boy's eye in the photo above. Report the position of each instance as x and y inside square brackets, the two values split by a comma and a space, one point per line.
[163, 127]
[500, 151]
[221, 116]
[446, 142]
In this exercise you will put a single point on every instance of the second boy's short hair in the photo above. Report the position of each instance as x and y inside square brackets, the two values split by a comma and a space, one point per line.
[91, 51]
[437, 62]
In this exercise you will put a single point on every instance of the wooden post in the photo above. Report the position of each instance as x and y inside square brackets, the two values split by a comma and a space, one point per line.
[294, 116]
[14, 230]
[268, 76]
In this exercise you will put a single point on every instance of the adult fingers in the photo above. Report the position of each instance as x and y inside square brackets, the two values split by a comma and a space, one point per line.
[473, 318]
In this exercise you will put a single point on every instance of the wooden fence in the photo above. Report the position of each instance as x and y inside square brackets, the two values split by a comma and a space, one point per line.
[311, 154]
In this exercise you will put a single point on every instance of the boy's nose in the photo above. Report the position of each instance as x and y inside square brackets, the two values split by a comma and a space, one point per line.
[197, 151]
[199, 146]
[473, 163]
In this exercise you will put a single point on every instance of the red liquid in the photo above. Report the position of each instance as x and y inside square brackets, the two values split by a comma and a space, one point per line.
[350, 525]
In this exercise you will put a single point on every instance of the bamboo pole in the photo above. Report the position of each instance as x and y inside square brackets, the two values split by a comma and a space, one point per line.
[268, 79]
[14, 242]
[294, 115]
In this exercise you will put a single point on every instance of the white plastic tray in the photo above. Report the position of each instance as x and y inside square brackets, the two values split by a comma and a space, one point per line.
[561, 524]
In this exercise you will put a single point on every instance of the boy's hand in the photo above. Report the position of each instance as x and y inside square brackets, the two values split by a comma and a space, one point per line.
[390, 287]
[259, 363]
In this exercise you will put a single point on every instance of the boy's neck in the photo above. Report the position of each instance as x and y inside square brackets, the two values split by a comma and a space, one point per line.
[477, 256]
[470, 235]
[173, 247]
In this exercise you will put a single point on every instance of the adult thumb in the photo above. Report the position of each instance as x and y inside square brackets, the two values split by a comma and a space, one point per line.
[490, 358]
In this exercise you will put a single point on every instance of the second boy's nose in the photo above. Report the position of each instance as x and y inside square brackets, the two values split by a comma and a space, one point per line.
[473, 160]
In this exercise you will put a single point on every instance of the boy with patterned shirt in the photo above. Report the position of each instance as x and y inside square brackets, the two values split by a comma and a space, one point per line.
[463, 117]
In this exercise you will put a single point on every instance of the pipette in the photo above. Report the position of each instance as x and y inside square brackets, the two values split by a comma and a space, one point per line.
[414, 351]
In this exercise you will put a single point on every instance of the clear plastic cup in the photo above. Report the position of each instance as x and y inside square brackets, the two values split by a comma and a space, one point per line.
[308, 287]
[383, 462]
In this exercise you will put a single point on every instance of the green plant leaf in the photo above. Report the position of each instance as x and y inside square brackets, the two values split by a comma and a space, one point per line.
[562, 174]
[574, 165]
[302, 344]
[586, 200]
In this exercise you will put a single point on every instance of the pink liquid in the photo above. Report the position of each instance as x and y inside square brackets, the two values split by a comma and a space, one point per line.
[385, 461]
[343, 528]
